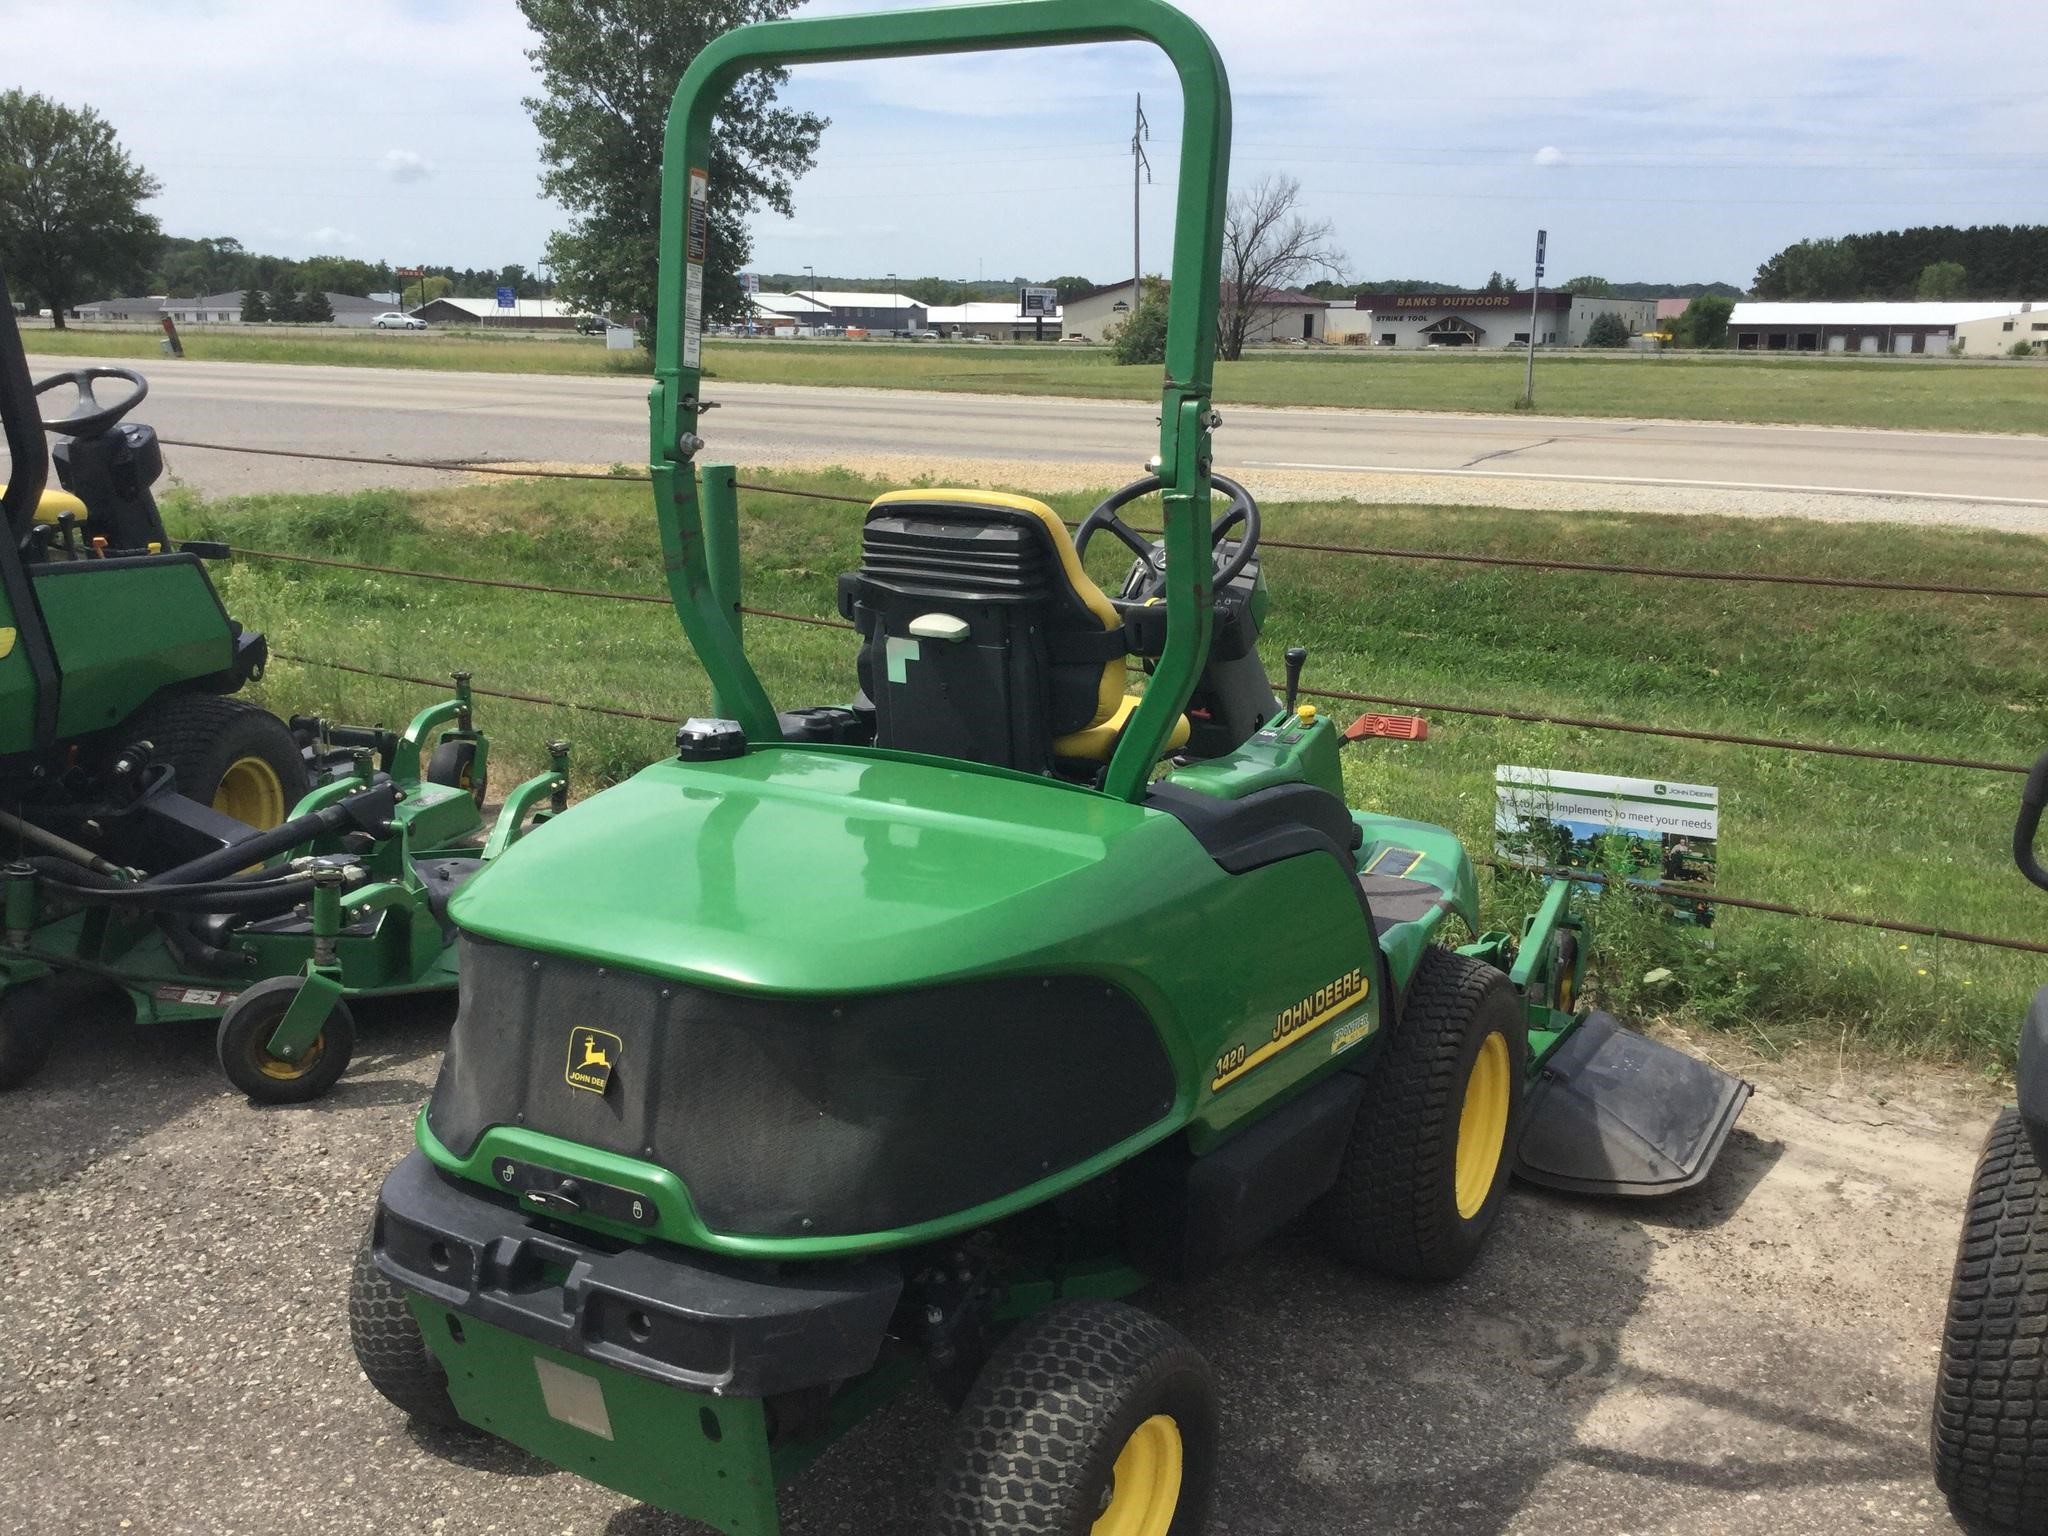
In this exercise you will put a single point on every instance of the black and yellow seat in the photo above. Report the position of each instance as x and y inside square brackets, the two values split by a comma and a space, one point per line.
[53, 504]
[983, 638]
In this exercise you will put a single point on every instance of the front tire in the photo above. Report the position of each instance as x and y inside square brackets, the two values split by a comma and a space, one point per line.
[1990, 1431]
[1092, 1419]
[241, 760]
[243, 1046]
[1431, 1149]
[391, 1349]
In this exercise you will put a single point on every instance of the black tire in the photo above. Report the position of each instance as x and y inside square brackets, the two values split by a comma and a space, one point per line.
[454, 765]
[1035, 1448]
[1990, 1432]
[1395, 1208]
[31, 1012]
[206, 738]
[244, 1038]
[390, 1349]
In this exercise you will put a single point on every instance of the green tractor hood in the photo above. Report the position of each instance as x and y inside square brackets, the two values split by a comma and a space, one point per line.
[810, 870]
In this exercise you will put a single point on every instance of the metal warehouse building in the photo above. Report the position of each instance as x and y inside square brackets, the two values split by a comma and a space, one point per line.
[1495, 319]
[1924, 326]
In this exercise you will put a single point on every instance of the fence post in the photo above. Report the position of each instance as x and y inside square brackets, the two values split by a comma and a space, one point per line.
[720, 509]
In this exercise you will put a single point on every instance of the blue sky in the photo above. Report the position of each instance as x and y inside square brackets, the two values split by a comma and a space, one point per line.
[1655, 142]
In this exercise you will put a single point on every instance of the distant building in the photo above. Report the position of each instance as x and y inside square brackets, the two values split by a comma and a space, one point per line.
[880, 312]
[999, 321]
[1995, 335]
[524, 314]
[789, 313]
[1095, 313]
[1495, 319]
[208, 309]
[148, 309]
[1920, 326]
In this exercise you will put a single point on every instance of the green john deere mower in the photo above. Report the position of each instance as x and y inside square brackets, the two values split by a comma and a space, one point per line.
[169, 850]
[853, 1044]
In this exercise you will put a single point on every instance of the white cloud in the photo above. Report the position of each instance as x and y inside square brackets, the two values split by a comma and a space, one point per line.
[327, 237]
[405, 165]
[1550, 154]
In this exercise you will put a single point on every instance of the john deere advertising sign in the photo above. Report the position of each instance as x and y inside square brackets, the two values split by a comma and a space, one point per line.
[1653, 830]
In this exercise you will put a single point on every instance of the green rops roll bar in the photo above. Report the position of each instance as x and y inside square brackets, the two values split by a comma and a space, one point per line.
[1185, 418]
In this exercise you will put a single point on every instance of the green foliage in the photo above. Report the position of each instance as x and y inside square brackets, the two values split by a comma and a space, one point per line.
[1142, 336]
[314, 308]
[2021, 348]
[1942, 280]
[1495, 283]
[284, 307]
[1987, 261]
[1705, 321]
[608, 71]
[255, 307]
[1608, 330]
[1590, 287]
[71, 219]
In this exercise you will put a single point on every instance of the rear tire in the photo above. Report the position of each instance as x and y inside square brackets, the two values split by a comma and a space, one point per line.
[230, 755]
[243, 1046]
[1990, 1431]
[1092, 1417]
[1433, 1143]
[391, 1349]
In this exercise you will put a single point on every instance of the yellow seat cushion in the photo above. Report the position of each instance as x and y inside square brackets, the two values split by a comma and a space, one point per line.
[1098, 741]
[54, 501]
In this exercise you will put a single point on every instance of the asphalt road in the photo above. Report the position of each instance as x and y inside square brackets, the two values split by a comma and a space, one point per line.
[467, 417]
[1754, 1357]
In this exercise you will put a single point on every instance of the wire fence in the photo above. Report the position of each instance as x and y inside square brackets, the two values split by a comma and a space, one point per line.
[1687, 893]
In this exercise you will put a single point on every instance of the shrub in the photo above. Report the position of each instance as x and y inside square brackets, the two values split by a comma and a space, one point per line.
[1142, 336]
[1608, 330]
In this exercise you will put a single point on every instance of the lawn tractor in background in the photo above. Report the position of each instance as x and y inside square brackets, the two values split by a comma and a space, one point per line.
[167, 849]
[1990, 1433]
[909, 1038]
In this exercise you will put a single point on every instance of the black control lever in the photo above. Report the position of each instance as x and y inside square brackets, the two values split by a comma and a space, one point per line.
[1297, 658]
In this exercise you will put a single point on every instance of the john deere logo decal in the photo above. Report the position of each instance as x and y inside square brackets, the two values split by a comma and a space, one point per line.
[592, 1055]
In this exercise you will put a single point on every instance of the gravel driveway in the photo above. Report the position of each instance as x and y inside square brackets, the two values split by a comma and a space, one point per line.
[1754, 1357]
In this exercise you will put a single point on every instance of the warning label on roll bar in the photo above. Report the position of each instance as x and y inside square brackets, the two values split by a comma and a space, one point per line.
[697, 240]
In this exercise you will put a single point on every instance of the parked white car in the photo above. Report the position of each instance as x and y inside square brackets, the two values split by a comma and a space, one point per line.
[396, 320]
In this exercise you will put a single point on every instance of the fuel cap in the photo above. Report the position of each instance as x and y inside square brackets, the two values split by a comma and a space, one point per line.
[709, 741]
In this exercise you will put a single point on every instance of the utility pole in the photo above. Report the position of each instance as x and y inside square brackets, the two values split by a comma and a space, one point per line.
[1535, 301]
[1141, 172]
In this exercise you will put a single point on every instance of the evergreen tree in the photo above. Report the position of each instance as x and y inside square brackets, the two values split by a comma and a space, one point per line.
[255, 308]
[314, 308]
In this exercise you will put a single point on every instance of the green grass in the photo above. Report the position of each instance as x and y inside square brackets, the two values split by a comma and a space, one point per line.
[1853, 392]
[1951, 676]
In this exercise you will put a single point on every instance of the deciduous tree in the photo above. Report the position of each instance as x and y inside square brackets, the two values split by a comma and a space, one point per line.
[71, 217]
[1268, 244]
[608, 71]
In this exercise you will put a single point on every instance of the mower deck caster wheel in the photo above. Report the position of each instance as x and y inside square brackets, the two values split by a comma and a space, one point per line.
[244, 1046]
[30, 1015]
[1990, 1434]
[390, 1348]
[1091, 1419]
[454, 765]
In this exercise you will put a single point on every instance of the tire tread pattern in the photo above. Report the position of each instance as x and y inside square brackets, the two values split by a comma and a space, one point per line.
[1041, 1429]
[1990, 1429]
[390, 1348]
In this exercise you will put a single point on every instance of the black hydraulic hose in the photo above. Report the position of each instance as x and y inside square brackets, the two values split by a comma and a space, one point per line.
[63, 848]
[2032, 798]
[196, 953]
[368, 810]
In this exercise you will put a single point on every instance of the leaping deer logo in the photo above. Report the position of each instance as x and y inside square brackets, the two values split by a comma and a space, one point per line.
[591, 1059]
[592, 1056]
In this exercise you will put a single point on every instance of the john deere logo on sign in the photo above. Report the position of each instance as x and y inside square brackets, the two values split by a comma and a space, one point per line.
[592, 1055]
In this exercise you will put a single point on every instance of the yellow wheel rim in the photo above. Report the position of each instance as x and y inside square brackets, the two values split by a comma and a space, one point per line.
[251, 792]
[1144, 1490]
[1483, 1124]
[286, 1071]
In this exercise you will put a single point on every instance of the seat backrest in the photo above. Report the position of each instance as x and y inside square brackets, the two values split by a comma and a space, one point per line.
[981, 636]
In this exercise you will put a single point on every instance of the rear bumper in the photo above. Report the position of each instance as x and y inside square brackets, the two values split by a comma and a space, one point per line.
[686, 1319]
[2033, 1076]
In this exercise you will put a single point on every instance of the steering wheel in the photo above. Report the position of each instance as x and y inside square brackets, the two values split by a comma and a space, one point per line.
[1242, 510]
[87, 417]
